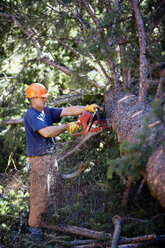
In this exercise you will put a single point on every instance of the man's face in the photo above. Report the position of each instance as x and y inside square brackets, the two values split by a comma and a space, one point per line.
[40, 102]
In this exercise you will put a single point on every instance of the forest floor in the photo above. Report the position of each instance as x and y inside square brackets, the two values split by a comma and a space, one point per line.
[90, 201]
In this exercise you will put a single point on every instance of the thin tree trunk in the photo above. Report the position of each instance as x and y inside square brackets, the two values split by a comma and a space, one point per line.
[127, 191]
[124, 70]
[143, 58]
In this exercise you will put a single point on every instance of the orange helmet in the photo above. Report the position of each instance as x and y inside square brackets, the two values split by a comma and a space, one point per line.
[36, 90]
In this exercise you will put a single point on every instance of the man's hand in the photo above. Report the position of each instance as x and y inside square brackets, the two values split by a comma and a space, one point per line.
[72, 127]
[91, 108]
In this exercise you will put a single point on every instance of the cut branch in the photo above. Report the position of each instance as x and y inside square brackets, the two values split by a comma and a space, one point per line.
[116, 236]
[75, 173]
[80, 231]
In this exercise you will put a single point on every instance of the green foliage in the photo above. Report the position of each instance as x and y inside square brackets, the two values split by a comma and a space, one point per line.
[158, 110]
[89, 200]
[13, 144]
[16, 203]
[63, 39]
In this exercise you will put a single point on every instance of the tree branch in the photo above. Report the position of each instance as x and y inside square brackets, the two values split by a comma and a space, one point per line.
[17, 78]
[93, 16]
[80, 231]
[12, 122]
[76, 16]
[35, 42]
[84, 26]
[116, 235]
[48, 61]
[75, 173]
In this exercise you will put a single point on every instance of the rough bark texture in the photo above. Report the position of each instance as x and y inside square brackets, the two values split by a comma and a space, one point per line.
[80, 231]
[127, 115]
[116, 235]
[155, 174]
[143, 46]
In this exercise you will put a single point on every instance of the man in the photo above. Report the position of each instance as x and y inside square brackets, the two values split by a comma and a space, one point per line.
[41, 147]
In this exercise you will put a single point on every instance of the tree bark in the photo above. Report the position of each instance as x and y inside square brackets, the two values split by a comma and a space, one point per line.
[80, 231]
[155, 174]
[143, 58]
[127, 115]
[116, 235]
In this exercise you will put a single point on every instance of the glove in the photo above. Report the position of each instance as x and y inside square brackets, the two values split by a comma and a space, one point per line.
[91, 108]
[72, 127]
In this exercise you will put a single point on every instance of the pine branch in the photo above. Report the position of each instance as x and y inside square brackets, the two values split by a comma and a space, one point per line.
[86, 29]
[93, 16]
[35, 42]
[17, 78]
[75, 15]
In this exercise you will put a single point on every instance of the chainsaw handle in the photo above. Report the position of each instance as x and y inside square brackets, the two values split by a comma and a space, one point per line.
[99, 118]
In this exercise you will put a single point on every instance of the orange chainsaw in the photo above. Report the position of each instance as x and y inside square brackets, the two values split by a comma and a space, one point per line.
[90, 123]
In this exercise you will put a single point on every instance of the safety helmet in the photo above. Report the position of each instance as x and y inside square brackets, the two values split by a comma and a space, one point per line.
[36, 90]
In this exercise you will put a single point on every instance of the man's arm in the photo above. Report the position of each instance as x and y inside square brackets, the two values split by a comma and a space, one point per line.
[76, 110]
[73, 110]
[52, 131]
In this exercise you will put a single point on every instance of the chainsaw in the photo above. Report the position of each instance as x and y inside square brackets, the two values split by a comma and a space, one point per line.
[90, 123]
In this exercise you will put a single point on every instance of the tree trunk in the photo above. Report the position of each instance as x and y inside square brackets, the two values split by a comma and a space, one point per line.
[155, 174]
[143, 54]
[127, 115]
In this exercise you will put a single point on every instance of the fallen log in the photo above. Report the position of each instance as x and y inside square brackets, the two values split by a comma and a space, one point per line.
[141, 244]
[80, 231]
[127, 115]
[154, 178]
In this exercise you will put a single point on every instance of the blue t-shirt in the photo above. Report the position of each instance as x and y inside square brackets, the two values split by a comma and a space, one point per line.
[37, 145]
